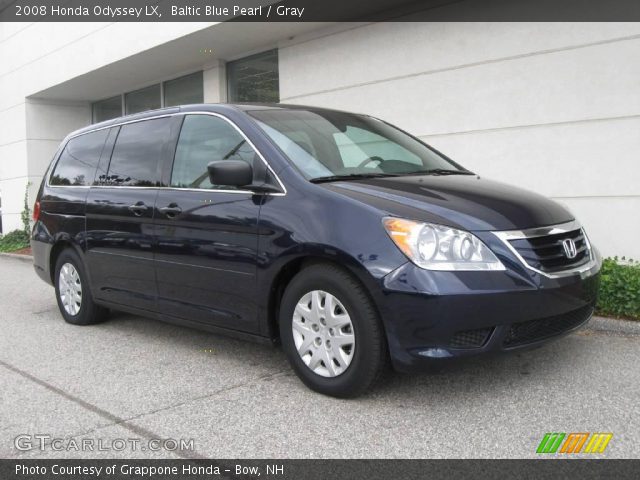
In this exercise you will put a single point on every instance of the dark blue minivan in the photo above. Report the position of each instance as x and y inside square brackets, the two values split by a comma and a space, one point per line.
[349, 241]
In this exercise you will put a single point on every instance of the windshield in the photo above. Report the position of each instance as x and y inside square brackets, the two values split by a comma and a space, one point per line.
[335, 145]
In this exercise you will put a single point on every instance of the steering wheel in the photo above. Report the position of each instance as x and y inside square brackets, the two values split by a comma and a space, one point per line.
[366, 161]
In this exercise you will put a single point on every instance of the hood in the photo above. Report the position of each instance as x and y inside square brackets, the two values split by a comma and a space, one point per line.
[464, 201]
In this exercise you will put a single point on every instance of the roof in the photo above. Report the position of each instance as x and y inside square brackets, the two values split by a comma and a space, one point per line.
[199, 107]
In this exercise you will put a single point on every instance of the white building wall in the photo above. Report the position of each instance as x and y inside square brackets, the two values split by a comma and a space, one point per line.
[47, 123]
[214, 83]
[552, 107]
[37, 56]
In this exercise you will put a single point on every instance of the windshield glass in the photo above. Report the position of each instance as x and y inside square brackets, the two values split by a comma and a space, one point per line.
[335, 144]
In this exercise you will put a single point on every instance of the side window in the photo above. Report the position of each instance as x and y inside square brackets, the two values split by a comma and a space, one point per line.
[137, 153]
[79, 160]
[203, 139]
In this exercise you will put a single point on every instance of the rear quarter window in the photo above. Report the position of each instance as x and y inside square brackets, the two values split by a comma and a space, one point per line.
[79, 159]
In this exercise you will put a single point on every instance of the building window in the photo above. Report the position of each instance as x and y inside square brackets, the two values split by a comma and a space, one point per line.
[254, 78]
[184, 90]
[141, 100]
[107, 109]
[179, 91]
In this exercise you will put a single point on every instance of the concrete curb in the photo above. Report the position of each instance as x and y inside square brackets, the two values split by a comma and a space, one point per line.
[613, 326]
[24, 258]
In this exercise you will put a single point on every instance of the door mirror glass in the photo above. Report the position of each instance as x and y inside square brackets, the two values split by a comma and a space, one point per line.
[232, 173]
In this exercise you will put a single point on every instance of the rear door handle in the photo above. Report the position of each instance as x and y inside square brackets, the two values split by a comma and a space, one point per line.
[172, 210]
[138, 209]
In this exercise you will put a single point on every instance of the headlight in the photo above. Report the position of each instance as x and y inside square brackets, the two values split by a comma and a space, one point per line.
[436, 247]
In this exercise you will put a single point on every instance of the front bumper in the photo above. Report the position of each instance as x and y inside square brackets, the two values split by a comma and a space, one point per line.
[432, 316]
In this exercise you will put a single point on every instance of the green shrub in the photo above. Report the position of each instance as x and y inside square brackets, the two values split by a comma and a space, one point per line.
[14, 240]
[25, 215]
[620, 288]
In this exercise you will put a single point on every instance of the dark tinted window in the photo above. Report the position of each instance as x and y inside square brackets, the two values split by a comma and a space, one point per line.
[78, 162]
[254, 78]
[136, 156]
[144, 99]
[107, 109]
[184, 90]
[203, 139]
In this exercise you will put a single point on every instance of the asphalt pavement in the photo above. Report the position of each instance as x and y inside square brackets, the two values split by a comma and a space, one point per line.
[117, 385]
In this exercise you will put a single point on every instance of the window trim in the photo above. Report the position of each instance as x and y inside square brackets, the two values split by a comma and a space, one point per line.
[166, 115]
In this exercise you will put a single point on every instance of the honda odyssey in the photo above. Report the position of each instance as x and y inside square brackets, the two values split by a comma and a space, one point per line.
[352, 243]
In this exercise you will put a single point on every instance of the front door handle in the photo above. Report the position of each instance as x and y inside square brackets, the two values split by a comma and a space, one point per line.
[172, 210]
[138, 209]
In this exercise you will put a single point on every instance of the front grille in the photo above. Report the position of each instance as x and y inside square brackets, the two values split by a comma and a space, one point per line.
[547, 253]
[470, 338]
[535, 330]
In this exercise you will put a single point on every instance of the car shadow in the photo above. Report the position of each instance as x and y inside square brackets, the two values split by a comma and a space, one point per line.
[440, 382]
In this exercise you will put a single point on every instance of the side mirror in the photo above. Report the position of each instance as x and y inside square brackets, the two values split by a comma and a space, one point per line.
[235, 173]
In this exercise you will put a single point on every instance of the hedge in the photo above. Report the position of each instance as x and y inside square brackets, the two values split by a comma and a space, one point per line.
[14, 240]
[619, 288]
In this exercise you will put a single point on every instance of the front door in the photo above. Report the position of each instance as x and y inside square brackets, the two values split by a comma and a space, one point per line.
[206, 235]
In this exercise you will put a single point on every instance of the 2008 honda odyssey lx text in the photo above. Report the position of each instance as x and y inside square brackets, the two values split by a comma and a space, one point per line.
[346, 239]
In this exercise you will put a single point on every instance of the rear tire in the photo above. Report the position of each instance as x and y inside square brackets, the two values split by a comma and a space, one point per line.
[72, 291]
[331, 333]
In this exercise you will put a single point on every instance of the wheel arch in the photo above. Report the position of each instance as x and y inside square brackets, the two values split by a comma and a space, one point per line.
[61, 244]
[289, 269]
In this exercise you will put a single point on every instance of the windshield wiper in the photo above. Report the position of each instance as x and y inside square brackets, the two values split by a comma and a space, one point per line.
[357, 176]
[234, 150]
[351, 176]
[441, 171]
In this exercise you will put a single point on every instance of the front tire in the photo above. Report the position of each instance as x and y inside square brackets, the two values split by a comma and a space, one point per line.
[331, 332]
[72, 291]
